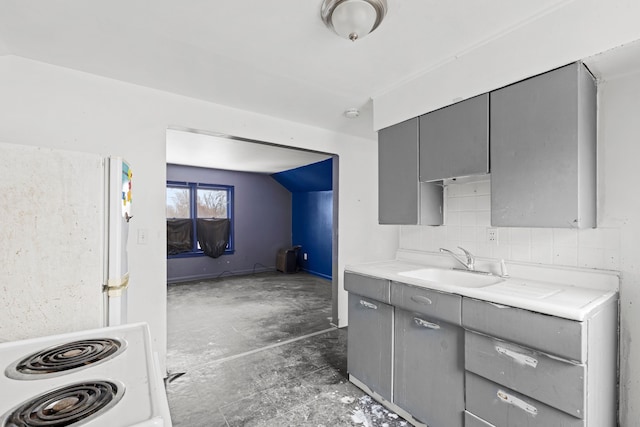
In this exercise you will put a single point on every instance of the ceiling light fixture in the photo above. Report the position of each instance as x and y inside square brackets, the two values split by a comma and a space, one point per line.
[351, 113]
[353, 19]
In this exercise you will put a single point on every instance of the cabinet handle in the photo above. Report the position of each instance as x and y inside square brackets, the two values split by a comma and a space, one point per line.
[421, 300]
[518, 357]
[512, 400]
[425, 324]
[499, 305]
[367, 304]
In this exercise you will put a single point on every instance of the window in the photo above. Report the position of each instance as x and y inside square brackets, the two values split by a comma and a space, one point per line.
[190, 205]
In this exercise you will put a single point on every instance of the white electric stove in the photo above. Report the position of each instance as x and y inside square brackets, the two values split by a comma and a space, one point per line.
[101, 377]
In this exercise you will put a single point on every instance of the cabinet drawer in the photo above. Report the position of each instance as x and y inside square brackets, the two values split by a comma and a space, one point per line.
[556, 382]
[553, 335]
[471, 420]
[433, 304]
[503, 407]
[367, 286]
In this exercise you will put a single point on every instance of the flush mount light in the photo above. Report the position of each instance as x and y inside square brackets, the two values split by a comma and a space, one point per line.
[353, 19]
[351, 113]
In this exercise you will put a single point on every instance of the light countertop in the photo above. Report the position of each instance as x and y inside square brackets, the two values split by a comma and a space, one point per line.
[566, 292]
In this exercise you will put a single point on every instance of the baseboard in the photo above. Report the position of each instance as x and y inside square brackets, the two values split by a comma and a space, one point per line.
[209, 276]
[315, 273]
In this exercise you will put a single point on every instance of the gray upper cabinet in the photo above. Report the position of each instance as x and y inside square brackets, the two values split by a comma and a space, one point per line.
[543, 151]
[402, 199]
[454, 141]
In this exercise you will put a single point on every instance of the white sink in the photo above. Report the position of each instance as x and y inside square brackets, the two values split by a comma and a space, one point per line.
[465, 279]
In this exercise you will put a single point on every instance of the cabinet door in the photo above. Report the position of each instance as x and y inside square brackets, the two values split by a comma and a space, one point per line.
[370, 341]
[543, 151]
[454, 141]
[429, 369]
[401, 198]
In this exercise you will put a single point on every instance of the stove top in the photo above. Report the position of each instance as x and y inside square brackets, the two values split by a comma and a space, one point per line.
[102, 377]
[64, 358]
[70, 405]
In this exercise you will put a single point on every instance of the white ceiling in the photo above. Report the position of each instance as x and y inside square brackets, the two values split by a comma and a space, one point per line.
[274, 58]
[616, 62]
[225, 152]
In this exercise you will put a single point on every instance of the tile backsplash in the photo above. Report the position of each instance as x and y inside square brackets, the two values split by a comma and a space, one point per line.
[467, 217]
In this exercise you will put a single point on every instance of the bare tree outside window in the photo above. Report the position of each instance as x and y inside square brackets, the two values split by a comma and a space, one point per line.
[178, 202]
[212, 203]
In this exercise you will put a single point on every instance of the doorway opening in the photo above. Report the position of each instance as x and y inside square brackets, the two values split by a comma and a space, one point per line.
[208, 158]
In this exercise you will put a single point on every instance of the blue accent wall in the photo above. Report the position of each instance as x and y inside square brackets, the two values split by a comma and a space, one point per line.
[313, 177]
[312, 229]
[311, 190]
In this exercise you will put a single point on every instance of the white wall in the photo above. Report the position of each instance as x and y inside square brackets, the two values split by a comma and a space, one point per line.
[612, 245]
[619, 206]
[50, 106]
[468, 216]
[577, 30]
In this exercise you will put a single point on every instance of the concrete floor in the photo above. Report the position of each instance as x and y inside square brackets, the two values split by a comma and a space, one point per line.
[259, 351]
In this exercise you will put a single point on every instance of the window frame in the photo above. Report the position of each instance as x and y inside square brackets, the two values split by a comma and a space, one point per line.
[193, 214]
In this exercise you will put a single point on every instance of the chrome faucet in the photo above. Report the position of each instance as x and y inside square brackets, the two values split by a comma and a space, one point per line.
[470, 264]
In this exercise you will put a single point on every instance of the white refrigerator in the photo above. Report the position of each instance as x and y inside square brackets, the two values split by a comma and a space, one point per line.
[64, 225]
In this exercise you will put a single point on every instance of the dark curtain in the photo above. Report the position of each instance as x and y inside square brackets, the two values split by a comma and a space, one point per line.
[179, 236]
[213, 235]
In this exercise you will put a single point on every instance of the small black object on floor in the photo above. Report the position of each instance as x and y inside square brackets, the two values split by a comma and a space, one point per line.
[287, 259]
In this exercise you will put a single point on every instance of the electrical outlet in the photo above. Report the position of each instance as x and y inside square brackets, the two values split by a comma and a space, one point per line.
[492, 236]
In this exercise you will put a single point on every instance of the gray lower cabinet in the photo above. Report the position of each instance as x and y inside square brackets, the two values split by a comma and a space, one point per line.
[429, 369]
[543, 151]
[368, 286]
[369, 348]
[470, 420]
[444, 360]
[531, 369]
[502, 407]
[428, 364]
[551, 380]
[554, 335]
[402, 199]
[454, 140]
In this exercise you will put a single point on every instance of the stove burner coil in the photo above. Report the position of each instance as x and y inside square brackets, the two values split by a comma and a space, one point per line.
[61, 359]
[71, 405]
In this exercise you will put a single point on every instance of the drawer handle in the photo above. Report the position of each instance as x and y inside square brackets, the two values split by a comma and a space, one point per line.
[518, 357]
[421, 300]
[512, 400]
[498, 305]
[425, 324]
[367, 304]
